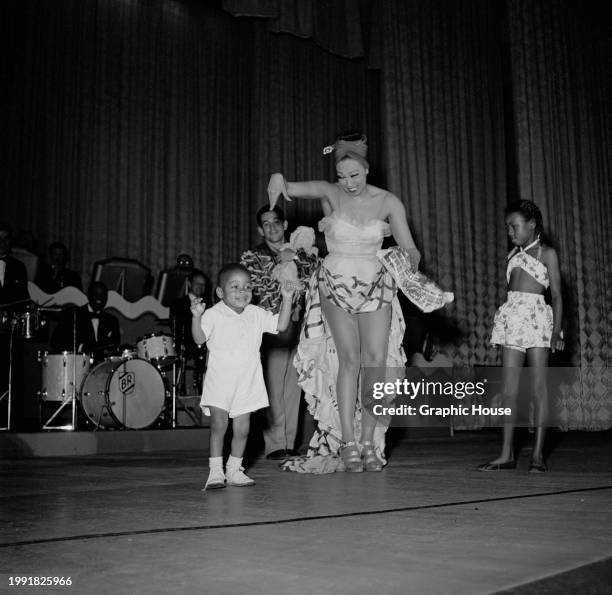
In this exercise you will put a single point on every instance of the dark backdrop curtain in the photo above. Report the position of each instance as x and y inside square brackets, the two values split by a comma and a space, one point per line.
[561, 65]
[144, 129]
[484, 102]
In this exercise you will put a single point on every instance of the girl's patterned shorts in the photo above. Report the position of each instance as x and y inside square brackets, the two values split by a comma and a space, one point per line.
[523, 322]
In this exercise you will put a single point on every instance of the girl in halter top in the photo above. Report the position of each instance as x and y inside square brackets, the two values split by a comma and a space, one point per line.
[525, 327]
[352, 318]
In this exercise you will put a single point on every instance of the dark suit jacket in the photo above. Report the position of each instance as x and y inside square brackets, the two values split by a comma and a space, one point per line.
[49, 283]
[15, 286]
[109, 335]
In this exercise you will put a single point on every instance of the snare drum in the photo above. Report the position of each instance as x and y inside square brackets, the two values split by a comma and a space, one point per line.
[125, 394]
[61, 373]
[124, 352]
[128, 352]
[157, 349]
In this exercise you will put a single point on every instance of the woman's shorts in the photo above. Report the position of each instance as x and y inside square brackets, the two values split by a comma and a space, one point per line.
[354, 295]
[523, 322]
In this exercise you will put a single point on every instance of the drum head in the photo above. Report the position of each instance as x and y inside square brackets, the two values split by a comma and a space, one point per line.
[94, 396]
[136, 394]
[157, 348]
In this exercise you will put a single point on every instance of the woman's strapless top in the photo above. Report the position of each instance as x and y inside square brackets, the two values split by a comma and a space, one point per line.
[352, 239]
[352, 246]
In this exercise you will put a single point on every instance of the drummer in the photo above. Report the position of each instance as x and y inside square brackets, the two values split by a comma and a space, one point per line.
[199, 287]
[88, 329]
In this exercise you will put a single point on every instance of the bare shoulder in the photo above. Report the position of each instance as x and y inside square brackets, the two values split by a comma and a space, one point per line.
[549, 255]
[391, 203]
[376, 192]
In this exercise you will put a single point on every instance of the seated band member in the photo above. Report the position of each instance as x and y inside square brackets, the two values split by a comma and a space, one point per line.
[88, 328]
[198, 288]
[56, 275]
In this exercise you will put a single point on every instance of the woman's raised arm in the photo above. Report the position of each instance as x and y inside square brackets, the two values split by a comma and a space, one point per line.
[278, 186]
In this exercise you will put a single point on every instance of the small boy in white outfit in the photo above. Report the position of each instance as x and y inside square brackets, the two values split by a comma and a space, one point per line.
[234, 385]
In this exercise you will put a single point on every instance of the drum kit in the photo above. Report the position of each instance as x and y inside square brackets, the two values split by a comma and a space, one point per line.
[127, 390]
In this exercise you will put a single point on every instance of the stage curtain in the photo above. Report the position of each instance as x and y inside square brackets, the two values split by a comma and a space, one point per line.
[562, 95]
[485, 103]
[445, 154]
[145, 129]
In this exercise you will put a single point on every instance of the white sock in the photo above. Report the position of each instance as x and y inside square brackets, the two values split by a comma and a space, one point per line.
[234, 462]
[215, 463]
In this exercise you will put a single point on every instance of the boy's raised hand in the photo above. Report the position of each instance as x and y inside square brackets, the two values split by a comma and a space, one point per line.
[197, 307]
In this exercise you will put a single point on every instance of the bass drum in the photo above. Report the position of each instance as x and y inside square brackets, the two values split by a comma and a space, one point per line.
[126, 394]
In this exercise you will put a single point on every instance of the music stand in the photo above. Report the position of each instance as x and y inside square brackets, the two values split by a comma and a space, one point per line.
[172, 285]
[126, 276]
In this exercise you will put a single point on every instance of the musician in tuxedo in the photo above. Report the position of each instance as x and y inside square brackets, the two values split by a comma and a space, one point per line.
[56, 275]
[198, 287]
[88, 327]
[13, 274]
[14, 297]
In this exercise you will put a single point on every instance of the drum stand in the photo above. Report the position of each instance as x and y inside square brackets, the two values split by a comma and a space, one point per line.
[8, 393]
[175, 381]
[72, 399]
[178, 370]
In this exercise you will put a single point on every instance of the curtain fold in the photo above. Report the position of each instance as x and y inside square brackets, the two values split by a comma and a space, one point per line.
[297, 111]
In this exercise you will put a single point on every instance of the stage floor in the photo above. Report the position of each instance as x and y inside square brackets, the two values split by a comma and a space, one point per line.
[429, 523]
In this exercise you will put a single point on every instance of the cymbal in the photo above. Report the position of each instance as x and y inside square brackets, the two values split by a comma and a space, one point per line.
[9, 305]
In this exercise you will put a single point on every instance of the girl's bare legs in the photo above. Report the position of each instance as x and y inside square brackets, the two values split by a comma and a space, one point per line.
[374, 330]
[345, 331]
[218, 427]
[512, 362]
[538, 367]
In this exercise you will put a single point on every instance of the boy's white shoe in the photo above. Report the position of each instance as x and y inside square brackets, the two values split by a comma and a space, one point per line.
[237, 477]
[216, 479]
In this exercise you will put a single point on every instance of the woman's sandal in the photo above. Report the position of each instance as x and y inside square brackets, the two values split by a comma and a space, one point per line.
[371, 462]
[351, 457]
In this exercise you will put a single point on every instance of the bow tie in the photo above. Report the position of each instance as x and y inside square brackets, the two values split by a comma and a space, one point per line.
[94, 315]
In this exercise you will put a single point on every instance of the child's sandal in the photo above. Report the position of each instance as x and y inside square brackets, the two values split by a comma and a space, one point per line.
[371, 462]
[351, 457]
